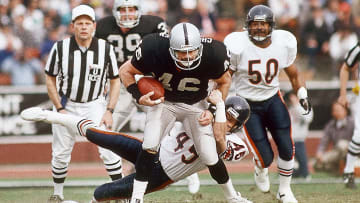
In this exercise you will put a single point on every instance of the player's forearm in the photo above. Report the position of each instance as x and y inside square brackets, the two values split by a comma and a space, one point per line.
[294, 77]
[219, 130]
[114, 93]
[52, 91]
[344, 77]
[127, 73]
[223, 84]
[219, 126]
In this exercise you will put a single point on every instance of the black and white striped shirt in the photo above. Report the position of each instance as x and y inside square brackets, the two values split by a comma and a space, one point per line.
[353, 56]
[82, 76]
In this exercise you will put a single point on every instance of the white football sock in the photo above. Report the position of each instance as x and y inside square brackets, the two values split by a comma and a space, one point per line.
[228, 188]
[58, 189]
[285, 172]
[350, 163]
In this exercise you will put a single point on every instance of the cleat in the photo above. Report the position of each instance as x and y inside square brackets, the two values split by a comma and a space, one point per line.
[193, 183]
[33, 114]
[286, 196]
[262, 179]
[54, 198]
[349, 180]
[238, 199]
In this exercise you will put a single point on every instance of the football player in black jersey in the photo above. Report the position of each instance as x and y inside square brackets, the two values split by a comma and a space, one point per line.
[184, 63]
[124, 30]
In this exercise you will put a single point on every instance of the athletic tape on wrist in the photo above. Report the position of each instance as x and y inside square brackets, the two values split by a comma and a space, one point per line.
[134, 91]
[220, 112]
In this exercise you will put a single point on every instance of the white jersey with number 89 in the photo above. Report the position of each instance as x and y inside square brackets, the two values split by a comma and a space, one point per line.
[256, 69]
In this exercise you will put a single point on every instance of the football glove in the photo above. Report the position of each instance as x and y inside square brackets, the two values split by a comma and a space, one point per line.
[305, 103]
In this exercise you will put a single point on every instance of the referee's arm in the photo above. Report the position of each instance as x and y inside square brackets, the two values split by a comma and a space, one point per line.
[51, 71]
[114, 90]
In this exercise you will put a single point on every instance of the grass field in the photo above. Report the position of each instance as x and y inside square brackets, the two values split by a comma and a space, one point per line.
[322, 188]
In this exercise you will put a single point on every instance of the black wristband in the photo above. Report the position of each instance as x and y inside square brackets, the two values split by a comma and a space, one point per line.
[212, 109]
[111, 110]
[134, 91]
[59, 109]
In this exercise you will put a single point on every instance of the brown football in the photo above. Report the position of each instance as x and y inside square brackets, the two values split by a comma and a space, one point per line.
[148, 84]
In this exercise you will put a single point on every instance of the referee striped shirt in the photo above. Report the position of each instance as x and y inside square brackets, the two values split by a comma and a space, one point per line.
[82, 76]
[353, 56]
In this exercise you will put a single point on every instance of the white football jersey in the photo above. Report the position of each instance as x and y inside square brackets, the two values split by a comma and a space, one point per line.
[256, 69]
[179, 158]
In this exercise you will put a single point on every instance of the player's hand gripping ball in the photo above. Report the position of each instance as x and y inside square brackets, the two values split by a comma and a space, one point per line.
[148, 84]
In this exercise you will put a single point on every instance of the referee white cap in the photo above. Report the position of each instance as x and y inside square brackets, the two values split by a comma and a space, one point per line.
[83, 10]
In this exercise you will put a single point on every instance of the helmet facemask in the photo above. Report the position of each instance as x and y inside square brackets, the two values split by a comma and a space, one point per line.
[257, 14]
[187, 58]
[127, 13]
[254, 33]
[185, 46]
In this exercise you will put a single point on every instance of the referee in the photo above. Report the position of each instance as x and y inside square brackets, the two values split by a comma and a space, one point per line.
[352, 60]
[76, 74]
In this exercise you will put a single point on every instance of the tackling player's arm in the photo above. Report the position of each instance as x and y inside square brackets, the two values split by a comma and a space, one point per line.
[222, 85]
[219, 126]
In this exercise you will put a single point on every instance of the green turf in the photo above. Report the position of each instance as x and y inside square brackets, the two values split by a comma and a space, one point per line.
[330, 192]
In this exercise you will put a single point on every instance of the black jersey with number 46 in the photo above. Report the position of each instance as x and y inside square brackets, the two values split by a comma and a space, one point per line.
[186, 86]
[125, 43]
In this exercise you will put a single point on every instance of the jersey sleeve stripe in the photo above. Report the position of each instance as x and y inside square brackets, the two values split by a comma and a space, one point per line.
[113, 69]
[51, 63]
[352, 56]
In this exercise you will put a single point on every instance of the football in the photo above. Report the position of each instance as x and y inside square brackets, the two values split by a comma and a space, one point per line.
[148, 84]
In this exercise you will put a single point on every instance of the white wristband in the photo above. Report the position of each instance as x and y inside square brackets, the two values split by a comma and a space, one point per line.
[302, 93]
[220, 112]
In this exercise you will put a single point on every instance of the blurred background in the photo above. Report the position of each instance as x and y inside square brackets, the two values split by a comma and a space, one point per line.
[325, 30]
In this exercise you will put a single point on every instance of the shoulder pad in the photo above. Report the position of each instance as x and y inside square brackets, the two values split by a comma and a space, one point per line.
[234, 42]
[285, 36]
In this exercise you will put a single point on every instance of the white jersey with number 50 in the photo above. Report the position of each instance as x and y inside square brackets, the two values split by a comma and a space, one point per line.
[256, 69]
[179, 158]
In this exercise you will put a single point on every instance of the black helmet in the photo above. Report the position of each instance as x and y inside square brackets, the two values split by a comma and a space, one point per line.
[260, 13]
[238, 108]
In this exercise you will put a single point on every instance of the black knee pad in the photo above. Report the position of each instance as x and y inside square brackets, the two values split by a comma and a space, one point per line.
[219, 172]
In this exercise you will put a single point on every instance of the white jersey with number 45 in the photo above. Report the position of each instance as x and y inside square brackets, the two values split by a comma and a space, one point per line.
[178, 156]
[256, 69]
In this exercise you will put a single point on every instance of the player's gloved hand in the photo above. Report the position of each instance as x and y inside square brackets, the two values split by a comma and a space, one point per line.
[304, 100]
[305, 103]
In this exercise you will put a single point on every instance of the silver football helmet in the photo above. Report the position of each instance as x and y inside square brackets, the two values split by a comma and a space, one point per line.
[185, 46]
[127, 19]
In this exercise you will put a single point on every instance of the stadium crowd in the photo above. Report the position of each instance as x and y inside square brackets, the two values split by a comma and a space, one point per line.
[29, 28]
